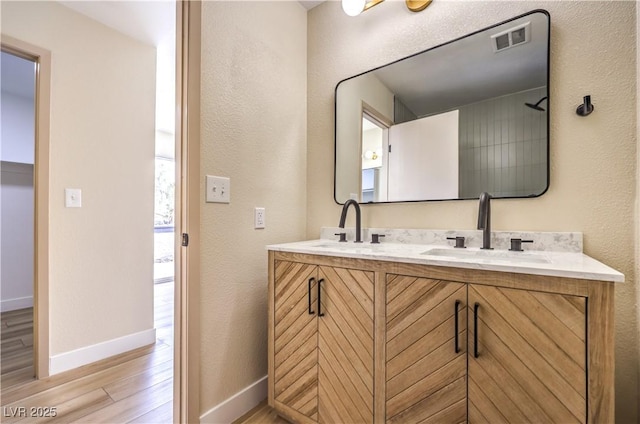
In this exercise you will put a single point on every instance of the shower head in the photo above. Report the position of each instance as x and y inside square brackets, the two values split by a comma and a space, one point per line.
[537, 105]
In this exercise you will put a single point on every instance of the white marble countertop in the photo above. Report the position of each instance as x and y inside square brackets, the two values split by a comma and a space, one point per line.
[548, 263]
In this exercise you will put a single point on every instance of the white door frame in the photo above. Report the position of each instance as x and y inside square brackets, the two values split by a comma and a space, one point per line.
[187, 272]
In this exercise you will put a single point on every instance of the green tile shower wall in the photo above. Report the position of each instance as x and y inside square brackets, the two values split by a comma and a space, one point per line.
[503, 146]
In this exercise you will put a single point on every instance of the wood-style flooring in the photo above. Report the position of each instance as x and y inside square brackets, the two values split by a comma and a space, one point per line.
[134, 387]
[16, 348]
[261, 414]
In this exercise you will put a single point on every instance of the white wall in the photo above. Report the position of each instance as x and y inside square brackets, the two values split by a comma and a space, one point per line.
[253, 130]
[16, 267]
[18, 128]
[593, 159]
[101, 141]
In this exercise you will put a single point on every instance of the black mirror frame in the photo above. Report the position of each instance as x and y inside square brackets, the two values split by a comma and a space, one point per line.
[548, 173]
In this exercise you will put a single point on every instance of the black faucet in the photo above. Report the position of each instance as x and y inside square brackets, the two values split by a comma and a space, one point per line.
[484, 220]
[343, 217]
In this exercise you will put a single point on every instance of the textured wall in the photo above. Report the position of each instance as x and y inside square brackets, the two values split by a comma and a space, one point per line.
[593, 159]
[102, 141]
[253, 123]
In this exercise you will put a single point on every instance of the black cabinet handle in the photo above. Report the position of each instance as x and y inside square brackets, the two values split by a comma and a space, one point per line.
[475, 330]
[311, 312]
[320, 314]
[455, 336]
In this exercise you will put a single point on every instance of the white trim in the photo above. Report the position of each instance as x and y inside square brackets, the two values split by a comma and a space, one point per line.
[17, 303]
[88, 354]
[237, 405]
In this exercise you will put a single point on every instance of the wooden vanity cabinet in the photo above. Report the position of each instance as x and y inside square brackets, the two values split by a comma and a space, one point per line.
[296, 338]
[323, 343]
[408, 343]
[527, 364]
[426, 346]
[528, 361]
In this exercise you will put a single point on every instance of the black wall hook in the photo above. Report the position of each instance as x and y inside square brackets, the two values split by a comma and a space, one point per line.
[586, 108]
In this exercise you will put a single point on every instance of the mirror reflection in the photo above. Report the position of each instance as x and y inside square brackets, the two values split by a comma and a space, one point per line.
[451, 122]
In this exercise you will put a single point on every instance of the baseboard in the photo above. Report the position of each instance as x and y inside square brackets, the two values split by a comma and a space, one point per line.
[15, 304]
[86, 355]
[237, 405]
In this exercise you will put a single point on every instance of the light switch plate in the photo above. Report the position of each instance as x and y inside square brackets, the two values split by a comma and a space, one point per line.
[72, 198]
[218, 189]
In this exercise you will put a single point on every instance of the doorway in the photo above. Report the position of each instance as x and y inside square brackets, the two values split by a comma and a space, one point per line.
[17, 155]
[374, 160]
[187, 219]
[96, 123]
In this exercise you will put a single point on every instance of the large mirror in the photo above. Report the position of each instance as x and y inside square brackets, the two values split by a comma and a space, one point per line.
[451, 122]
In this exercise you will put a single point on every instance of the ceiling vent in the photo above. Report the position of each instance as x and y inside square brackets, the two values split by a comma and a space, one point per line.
[512, 37]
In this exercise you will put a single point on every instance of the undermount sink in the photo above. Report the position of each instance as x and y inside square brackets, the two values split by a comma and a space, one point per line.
[488, 254]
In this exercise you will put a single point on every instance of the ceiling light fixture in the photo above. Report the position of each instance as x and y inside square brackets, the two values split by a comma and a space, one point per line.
[356, 7]
[353, 7]
[417, 5]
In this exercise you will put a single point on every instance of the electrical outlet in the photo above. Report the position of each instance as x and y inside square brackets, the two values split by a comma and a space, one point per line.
[259, 218]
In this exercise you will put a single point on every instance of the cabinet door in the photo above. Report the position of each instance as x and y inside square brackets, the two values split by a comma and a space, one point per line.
[345, 346]
[295, 338]
[528, 364]
[426, 357]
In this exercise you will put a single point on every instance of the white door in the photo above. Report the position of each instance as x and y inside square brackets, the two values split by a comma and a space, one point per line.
[423, 158]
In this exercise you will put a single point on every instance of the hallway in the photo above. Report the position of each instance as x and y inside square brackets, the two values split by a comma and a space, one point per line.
[136, 386]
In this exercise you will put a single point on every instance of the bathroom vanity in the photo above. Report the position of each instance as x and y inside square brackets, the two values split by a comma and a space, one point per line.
[415, 330]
